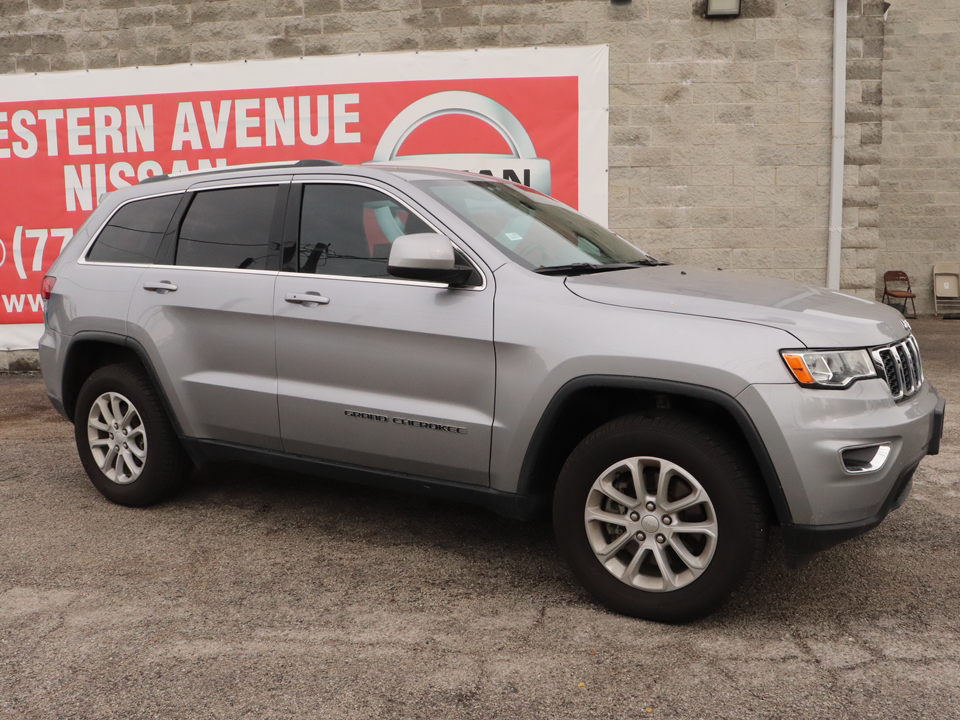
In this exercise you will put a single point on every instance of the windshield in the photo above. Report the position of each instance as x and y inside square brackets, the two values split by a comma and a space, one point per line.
[535, 230]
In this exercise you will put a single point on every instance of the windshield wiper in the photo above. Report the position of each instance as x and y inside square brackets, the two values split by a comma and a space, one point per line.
[589, 268]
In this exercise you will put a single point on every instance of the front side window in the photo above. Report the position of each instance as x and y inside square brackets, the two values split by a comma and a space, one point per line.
[228, 228]
[134, 232]
[348, 230]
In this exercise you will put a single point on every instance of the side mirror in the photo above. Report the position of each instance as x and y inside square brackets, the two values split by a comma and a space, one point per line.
[426, 256]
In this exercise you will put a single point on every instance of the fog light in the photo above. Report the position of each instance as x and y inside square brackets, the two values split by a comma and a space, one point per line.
[865, 458]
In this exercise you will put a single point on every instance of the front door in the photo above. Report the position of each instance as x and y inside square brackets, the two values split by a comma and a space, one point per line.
[379, 372]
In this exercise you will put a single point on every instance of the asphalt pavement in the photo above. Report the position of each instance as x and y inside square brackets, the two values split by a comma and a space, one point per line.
[260, 594]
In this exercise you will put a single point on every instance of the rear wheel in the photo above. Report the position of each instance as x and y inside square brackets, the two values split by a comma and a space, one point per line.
[126, 442]
[659, 518]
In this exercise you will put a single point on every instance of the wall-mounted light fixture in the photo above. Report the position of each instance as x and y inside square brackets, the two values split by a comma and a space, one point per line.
[723, 8]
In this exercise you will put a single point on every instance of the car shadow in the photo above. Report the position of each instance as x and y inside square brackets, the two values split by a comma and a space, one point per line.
[450, 543]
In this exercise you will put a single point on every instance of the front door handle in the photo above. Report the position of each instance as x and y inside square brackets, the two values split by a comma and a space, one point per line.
[162, 287]
[309, 299]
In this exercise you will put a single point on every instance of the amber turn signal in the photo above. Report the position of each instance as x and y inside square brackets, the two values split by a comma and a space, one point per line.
[799, 369]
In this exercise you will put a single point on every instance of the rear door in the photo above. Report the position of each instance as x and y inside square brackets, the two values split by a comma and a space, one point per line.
[379, 372]
[205, 313]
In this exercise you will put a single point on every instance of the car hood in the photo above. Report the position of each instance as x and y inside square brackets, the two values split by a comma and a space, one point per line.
[817, 317]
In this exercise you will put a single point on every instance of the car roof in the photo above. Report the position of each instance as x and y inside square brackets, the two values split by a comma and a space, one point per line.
[305, 167]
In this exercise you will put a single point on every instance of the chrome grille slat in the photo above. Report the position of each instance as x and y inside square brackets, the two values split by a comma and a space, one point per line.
[907, 367]
[899, 364]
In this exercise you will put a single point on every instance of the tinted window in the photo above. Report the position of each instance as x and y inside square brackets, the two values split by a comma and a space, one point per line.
[228, 228]
[134, 232]
[347, 230]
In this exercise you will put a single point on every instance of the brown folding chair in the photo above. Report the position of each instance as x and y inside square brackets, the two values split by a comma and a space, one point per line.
[898, 277]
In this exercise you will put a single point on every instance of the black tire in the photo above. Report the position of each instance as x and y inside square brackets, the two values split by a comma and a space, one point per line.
[155, 465]
[733, 509]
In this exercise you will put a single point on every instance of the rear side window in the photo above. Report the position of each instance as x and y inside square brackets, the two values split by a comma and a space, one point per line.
[134, 232]
[228, 228]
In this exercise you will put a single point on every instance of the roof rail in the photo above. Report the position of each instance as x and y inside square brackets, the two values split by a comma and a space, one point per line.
[307, 162]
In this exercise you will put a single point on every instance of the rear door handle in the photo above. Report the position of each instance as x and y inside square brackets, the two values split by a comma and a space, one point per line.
[308, 298]
[162, 287]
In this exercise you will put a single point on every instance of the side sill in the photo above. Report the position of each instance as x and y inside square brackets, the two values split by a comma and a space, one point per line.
[506, 504]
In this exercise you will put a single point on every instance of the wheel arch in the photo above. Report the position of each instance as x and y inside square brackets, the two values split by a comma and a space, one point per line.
[587, 402]
[89, 351]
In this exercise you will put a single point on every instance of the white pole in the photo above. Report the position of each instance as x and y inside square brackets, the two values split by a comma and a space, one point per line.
[835, 221]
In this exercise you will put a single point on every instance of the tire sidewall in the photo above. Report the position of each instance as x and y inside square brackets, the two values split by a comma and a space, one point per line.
[722, 479]
[154, 479]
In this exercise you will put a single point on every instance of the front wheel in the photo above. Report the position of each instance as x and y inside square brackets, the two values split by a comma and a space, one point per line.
[125, 440]
[659, 518]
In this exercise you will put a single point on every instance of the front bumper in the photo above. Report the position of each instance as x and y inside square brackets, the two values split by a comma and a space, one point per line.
[805, 432]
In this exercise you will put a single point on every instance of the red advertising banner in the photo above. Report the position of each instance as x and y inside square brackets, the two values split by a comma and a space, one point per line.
[59, 154]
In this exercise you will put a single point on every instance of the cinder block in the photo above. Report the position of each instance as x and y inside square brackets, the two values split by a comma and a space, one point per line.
[711, 217]
[630, 135]
[863, 238]
[754, 258]
[796, 217]
[135, 17]
[283, 8]
[534, 14]
[711, 175]
[564, 33]
[72, 61]
[482, 37]
[754, 176]
[752, 217]
[102, 59]
[360, 42]
[154, 36]
[756, 50]
[173, 54]
[323, 45]
[648, 156]
[795, 175]
[120, 39]
[498, 15]
[735, 114]
[137, 57]
[861, 196]
[853, 278]
[459, 16]
[671, 176]
[323, 7]
[442, 39]
[669, 218]
[19, 361]
[817, 277]
[774, 196]
[210, 52]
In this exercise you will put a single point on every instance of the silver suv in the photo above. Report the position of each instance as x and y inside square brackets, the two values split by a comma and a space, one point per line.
[469, 338]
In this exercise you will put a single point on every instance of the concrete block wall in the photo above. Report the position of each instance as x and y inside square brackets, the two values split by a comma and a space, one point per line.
[920, 170]
[719, 129]
[720, 135]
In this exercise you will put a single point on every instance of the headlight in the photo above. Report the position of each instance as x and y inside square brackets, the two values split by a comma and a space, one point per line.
[829, 368]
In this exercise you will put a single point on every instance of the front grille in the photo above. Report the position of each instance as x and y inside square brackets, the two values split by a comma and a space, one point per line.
[899, 365]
